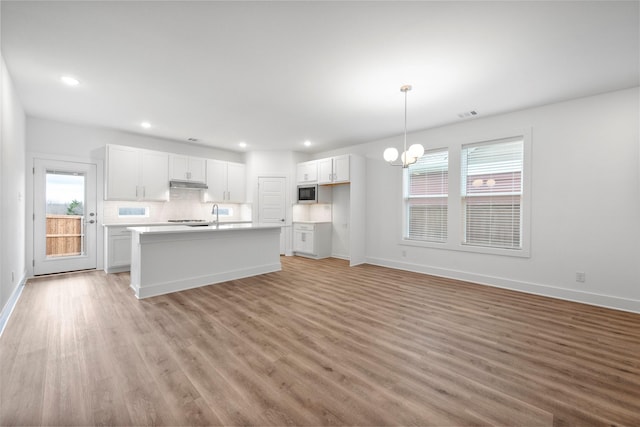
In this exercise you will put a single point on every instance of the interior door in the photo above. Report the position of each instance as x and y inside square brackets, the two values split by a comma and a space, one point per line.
[65, 221]
[272, 203]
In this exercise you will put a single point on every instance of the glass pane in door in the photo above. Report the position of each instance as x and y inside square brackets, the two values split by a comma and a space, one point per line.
[65, 199]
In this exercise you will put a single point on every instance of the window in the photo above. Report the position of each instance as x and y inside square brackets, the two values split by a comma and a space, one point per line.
[133, 212]
[426, 200]
[491, 190]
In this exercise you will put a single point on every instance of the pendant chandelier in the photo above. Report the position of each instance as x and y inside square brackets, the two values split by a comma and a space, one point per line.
[410, 156]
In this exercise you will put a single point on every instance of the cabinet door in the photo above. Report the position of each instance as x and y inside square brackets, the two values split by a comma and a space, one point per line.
[184, 168]
[197, 170]
[298, 241]
[301, 171]
[307, 172]
[236, 182]
[216, 181]
[341, 168]
[120, 250]
[178, 167]
[325, 171]
[303, 241]
[309, 237]
[122, 173]
[154, 176]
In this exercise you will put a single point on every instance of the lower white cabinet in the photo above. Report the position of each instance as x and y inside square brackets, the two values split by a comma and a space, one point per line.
[312, 240]
[118, 249]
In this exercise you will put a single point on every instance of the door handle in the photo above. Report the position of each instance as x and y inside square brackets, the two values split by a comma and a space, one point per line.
[282, 220]
[91, 221]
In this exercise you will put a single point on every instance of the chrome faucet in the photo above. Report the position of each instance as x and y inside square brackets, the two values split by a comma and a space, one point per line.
[215, 209]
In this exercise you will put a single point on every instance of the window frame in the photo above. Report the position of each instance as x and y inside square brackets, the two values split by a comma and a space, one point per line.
[455, 230]
[407, 198]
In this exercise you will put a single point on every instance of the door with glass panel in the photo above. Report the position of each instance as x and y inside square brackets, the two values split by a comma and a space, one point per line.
[64, 221]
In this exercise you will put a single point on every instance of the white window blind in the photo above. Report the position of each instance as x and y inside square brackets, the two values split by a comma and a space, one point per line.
[426, 190]
[492, 193]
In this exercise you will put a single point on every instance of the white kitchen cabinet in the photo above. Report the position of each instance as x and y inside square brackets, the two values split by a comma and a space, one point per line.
[312, 240]
[307, 172]
[136, 174]
[333, 170]
[226, 182]
[118, 249]
[185, 168]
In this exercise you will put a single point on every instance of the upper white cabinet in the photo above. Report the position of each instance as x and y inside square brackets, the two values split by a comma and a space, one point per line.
[226, 182]
[184, 168]
[307, 172]
[136, 174]
[333, 170]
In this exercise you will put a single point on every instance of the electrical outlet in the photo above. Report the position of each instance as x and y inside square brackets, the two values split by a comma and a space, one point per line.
[580, 276]
[13, 277]
[404, 253]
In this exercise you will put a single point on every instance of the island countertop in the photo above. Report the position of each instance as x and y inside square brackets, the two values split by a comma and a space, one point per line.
[199, 228]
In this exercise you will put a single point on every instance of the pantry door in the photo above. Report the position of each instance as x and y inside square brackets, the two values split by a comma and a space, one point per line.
[64, 216]
[272, 204]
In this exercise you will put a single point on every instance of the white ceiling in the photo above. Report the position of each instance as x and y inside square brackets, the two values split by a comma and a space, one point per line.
[274, 74]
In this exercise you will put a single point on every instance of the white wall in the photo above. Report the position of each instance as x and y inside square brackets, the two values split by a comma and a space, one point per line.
[585, 213]
[65, 139]
[12, 190]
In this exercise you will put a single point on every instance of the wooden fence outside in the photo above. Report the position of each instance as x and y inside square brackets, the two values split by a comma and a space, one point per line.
[64, 235]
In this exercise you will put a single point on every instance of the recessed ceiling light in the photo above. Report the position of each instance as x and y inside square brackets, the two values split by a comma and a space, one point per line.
[307, 143]
[69, 81]
[242, 144]
[145, 125]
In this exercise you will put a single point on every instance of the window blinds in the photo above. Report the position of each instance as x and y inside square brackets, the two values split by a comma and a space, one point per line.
[427, 198]
[492, 193]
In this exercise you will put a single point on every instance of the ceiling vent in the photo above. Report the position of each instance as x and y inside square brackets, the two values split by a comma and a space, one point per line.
[468, 114]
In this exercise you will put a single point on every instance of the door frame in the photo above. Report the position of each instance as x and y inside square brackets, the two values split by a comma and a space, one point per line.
[29, 208]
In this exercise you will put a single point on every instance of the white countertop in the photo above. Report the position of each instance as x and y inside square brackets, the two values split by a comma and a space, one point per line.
[161, 224]
[311, 222]
[166, 229]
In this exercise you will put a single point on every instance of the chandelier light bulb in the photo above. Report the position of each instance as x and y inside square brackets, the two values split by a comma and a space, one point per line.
[416, 150]
[408, 159]
[390, 154]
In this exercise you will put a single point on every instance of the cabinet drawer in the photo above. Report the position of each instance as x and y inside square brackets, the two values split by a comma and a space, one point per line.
[304, 227]
[119, 231]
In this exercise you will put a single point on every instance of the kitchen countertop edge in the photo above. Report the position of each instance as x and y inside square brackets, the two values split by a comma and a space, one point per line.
[200, 229]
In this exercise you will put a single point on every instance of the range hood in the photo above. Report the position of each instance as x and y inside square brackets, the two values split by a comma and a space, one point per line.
[187, 185]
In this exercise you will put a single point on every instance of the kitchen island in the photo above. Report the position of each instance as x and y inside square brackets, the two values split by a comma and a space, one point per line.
[167, 259]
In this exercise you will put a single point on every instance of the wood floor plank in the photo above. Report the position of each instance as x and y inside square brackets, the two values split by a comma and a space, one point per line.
[318, 343]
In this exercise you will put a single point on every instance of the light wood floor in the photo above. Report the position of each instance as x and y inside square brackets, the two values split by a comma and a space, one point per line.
[318, 343]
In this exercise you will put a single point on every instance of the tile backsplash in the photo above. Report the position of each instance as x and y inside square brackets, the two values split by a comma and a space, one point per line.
[183, 204]
[319, 212]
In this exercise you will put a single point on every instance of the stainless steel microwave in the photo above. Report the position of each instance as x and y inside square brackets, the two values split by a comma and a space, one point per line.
[307, 194]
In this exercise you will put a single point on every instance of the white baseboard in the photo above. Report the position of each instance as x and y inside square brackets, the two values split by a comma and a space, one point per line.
[11, 303]
[196, 282]
[606, 301]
